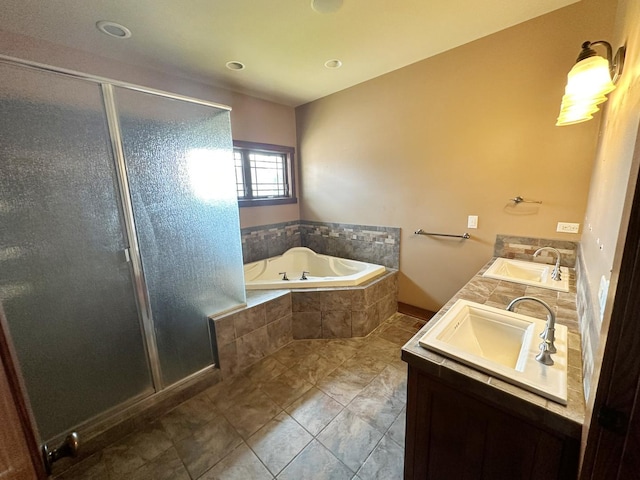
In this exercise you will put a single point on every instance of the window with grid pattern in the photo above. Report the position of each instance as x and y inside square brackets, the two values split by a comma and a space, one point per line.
[264, 173]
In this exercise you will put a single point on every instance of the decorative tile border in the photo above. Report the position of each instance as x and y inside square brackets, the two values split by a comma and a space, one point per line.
[523, 248]
[267, 241]
[367, 243]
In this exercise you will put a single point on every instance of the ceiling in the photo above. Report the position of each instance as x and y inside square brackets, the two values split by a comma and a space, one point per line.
[284, 44]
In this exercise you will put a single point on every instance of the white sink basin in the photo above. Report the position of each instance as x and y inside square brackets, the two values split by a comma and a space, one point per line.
[528, 273]
[503, 344]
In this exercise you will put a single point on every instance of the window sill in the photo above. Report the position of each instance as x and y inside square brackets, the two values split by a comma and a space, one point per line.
[263, 202]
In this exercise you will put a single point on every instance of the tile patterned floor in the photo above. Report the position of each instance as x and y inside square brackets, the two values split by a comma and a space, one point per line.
[315, 409]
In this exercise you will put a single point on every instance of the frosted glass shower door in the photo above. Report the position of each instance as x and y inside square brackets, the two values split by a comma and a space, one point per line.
[179, 159]
[65, 284]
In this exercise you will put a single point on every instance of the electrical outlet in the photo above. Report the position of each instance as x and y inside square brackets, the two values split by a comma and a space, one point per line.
[472, 221]
[565, 227]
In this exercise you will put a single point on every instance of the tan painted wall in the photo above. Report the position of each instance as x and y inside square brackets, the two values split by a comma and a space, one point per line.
[252, 119]
[260, 121]
[617, 162]
[455, 135]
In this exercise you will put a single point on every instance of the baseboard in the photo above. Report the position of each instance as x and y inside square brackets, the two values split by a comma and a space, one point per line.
[414, 311]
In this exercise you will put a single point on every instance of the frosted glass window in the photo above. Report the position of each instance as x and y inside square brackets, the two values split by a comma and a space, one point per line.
[65, 284]
[181, 174]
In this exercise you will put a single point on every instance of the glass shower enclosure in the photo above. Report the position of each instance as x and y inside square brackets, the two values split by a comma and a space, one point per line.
[119, 236]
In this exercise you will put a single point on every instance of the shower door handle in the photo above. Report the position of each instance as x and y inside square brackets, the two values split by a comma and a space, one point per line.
[127, 255]
[69, 448]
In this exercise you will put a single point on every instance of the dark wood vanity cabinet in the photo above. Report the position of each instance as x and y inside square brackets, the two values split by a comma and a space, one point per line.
[453, 435]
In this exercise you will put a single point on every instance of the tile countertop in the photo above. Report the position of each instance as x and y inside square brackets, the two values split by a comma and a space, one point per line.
[497, 293]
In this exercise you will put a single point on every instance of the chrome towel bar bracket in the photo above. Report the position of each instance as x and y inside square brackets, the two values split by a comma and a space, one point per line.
[465, 235]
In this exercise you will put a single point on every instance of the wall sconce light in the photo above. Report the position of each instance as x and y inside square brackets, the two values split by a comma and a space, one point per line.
[588, 83]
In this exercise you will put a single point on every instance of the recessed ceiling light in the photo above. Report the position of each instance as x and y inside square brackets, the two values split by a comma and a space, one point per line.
[113, 29]
[235, 65]
[326, 6]
[333, 63]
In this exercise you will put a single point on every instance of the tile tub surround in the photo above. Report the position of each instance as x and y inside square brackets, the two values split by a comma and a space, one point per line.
[367, 243]
[523, 248]
[313, 409]
[273, 318]
[267, 241]
[567, 420]
[344, 313]
[245, 336]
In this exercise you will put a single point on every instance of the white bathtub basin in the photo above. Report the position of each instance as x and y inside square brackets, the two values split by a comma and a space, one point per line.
[528, 273]
[503, 344]
[321, 271]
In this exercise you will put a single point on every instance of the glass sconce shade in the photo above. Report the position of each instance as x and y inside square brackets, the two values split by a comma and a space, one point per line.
[588, 83]
[575, 115]
[576, 110]
[590, 78]
[571, 100]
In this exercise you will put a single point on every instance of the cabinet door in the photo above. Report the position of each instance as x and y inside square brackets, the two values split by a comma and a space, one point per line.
[452, 435]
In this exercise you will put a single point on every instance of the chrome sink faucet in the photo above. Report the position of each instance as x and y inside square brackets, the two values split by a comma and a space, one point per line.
[548, 335]
[555, 274]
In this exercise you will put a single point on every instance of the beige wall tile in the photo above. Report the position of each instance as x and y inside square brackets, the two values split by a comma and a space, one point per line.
[336, 324]
[249, 320]
[306, 325]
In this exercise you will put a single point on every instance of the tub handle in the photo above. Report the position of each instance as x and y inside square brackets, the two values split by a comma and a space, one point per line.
[284, 276]
[304, 275]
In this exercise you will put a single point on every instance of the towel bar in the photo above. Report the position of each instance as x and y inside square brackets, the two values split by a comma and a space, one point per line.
[465, 235]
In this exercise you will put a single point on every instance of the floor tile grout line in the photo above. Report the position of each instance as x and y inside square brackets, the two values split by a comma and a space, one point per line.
[378, 443]
[325, 345]
[260, 460]
[343, 408]
[275, 475]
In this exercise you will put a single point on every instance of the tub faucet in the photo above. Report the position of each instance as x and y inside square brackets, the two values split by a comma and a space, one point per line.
[555, 274]
[547, 347]
[304, 275]
[284, 276]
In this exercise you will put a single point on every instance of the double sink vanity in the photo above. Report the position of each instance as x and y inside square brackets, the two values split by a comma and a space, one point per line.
[496, 393]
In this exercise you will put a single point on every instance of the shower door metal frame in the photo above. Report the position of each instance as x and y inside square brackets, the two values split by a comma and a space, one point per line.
[104, 80]
[133, 253]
